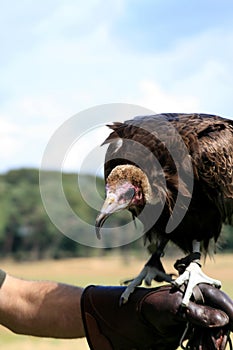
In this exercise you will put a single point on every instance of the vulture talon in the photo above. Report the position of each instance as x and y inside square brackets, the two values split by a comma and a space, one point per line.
[137, 281]
[193, 275]
[123, 300]
[147, 274]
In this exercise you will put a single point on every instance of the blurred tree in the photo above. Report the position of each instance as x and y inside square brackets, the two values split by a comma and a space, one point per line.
[26, 231]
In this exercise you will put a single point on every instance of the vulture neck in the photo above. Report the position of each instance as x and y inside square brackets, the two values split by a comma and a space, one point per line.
[131, 173]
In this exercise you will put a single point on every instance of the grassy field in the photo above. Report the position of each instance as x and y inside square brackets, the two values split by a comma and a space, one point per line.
[82, 272]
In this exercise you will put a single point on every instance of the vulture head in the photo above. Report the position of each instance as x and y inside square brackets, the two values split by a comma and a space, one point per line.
[127, 187]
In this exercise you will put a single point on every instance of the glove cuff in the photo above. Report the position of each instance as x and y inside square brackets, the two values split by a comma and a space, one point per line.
[109, 326]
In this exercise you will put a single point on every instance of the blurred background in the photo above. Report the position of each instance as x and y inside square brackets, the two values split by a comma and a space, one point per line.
[61, 57]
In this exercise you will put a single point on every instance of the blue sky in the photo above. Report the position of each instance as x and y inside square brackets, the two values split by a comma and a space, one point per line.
[61, 57]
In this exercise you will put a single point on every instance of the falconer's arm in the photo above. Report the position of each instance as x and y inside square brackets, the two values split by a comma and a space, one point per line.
[40, 308]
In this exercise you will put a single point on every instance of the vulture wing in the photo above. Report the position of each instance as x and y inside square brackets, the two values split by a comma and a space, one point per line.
[166, 143]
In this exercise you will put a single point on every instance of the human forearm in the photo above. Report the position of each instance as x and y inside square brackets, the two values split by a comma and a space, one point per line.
[45, 308]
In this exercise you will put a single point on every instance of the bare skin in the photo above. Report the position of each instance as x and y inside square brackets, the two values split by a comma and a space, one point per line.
[41, 308]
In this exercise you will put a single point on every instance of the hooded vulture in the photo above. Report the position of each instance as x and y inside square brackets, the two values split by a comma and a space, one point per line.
[175, 173]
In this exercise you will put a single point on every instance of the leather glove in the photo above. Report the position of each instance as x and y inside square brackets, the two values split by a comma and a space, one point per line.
[154, 319]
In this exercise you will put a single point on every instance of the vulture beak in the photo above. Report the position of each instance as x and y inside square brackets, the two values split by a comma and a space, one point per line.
[111, 205]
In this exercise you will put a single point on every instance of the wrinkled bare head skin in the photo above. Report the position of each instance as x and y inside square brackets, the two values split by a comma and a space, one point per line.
[127, 187]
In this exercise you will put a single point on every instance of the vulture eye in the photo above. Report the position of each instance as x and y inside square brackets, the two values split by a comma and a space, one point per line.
[139, 194]
[129, 193]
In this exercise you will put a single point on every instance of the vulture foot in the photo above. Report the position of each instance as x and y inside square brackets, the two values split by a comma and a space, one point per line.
[147, 274]
[193, 275]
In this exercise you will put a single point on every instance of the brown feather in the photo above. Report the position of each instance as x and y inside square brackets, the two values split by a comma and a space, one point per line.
[152, 143]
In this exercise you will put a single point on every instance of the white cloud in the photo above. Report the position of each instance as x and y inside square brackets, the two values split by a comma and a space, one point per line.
[9, 142]
[196, 75]
[74, 63]
[159, 100]
[85, 154]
